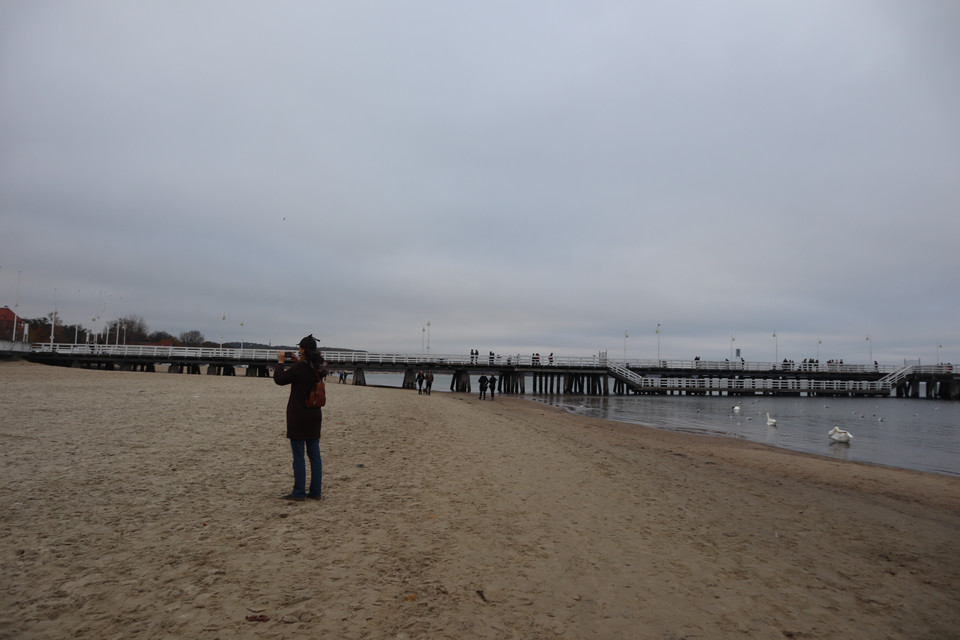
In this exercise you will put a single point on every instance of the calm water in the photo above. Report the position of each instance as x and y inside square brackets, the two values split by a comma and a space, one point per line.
[909, 433]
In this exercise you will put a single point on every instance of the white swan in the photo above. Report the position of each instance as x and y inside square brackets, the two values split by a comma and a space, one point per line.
[839, 435]
[771, 422]
[736, 408]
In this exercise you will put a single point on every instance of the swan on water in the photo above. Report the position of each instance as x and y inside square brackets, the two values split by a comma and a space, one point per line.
[736, 408]
[839, 435]
[771, 422]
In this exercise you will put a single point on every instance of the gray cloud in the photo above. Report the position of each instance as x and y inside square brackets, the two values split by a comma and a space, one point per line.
[540, 177]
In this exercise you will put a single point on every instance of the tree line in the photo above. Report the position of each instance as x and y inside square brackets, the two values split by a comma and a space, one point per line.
[126, 330]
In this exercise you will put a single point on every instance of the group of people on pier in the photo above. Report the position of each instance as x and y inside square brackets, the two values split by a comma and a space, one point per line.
[535, 359]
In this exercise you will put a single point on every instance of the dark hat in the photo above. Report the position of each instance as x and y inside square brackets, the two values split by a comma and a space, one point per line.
[309, 343]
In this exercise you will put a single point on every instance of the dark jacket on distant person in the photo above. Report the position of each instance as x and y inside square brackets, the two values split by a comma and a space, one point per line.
[303, 422]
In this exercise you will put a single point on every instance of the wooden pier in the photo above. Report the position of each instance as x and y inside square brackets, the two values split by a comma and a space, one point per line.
[522, 375]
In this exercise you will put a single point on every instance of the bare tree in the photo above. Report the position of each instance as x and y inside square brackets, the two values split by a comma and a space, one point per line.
[133, 327]
[192, 338]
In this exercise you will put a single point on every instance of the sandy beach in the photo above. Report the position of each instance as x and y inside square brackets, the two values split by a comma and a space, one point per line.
[147, 505]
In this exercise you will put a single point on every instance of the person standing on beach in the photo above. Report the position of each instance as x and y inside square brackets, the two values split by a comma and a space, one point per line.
[483, 386]
[303, 422]
[420, 379]
[429, 381]
[492, 381]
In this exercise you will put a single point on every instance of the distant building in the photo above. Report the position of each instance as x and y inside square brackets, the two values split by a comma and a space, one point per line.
[7, 318]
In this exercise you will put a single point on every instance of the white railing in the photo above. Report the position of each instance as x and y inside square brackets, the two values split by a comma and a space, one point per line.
[793, 385]
[363, 357]
[156, 351]
[748, 366]
[268, 356]
[929, 369]
[333, 357]
[11, 346]
[622, 372]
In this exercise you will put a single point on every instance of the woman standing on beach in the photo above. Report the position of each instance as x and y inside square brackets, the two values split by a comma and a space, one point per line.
[303, 422]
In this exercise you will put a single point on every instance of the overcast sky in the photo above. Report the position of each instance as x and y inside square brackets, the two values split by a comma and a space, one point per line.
[526, 176]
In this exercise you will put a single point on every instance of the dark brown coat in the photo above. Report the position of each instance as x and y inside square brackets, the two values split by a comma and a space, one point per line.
[303, 422]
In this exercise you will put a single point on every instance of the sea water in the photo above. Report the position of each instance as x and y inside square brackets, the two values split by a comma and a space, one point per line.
[910, 433]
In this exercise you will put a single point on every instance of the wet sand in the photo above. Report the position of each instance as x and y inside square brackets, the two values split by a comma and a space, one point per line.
[147, 505]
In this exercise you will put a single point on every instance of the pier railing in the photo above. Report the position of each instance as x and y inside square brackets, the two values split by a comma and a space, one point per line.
[158, 352]
[267, 356]
[898, 375]
[746, 385]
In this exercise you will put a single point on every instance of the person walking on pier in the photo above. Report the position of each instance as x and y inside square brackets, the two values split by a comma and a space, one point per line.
[492, 381]
[303, 422]
[483, 387]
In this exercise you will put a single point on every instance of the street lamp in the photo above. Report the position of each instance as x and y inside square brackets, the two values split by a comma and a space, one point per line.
[732, 339]
[241, 335]
[658, 342]
[939, 346]
[423, 333]
[428, 337]
[223, 320]
[625, 336]
[870, 342]
[53, 317]
[776, 350]
[16, 308]
[819, 342]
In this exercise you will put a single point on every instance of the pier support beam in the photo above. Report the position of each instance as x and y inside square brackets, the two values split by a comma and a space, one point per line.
[949, 390]
[461, 381]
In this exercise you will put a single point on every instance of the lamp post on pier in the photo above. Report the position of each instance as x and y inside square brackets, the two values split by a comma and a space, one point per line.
[732, 339]
[625, 336]
[428, 337]
[939, 346]
[16, 309]
[776, 349]
[870, 342]
[53, 317]
[819, 342]
[658, 343]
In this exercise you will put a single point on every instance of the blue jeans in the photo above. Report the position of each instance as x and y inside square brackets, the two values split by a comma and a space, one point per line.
[300, 468]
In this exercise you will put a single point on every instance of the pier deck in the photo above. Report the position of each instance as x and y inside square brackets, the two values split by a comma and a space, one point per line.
[590, 375]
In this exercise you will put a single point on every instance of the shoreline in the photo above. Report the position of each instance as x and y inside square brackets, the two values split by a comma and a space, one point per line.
[706, 433]
[902, 442]
[143, 505]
